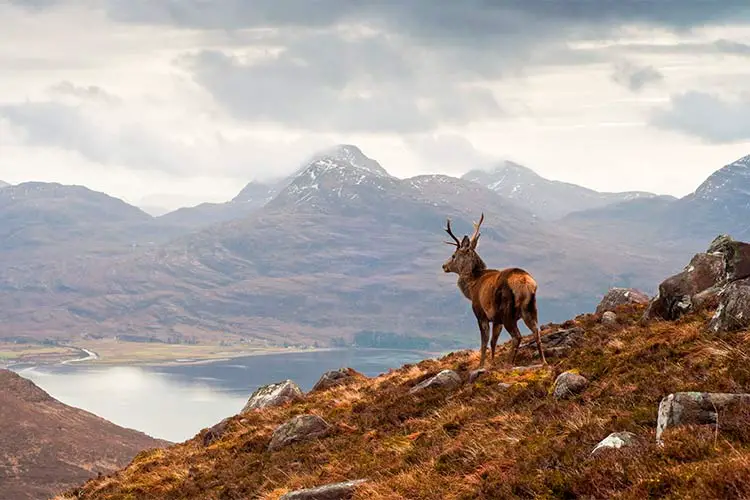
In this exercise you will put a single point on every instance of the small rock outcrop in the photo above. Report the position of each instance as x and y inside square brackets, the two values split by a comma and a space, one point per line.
[733, 312]
[337, 491]
[675, 296]
[703, 284]
[557, 343]
[609, 318]
[299, 428]
[216, 432]
[274, 395]
[702, 408]
[615, 441]
[446, 379]
[476, 374]
[335, 377]
[616, 297]
[569, 384]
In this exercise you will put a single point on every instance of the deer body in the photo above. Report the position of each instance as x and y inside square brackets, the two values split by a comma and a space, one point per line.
[498, 296]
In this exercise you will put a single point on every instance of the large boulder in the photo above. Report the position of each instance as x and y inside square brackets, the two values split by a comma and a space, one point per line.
[675, 296]
[274, 395]
[733, 312]
[299, 428]
[569, 384]
[335, 377]
[690, 408]
[446, 379]
[216, 432]
[337, 491]
[616, 297]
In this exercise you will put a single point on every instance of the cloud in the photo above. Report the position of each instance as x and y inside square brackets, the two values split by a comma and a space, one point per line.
[635, 77]
[87, 93]
[109, 142]
[707, 116]
[370, 83]
[449, 153]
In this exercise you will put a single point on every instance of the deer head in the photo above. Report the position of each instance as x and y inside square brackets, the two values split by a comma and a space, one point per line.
[465, 260]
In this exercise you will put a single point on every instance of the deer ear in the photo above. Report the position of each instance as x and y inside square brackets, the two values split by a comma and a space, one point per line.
[466, 242]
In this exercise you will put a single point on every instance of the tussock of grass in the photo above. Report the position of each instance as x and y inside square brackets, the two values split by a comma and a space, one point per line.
[485, 441]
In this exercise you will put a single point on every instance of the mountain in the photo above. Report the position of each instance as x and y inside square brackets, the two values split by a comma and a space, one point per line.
[721, 204]
[507, 434]
[47, 446]
[545, 198]
[3, 184]
[343, 248]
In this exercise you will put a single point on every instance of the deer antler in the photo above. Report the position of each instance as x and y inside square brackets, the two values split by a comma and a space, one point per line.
[448, 230]
[475, 236]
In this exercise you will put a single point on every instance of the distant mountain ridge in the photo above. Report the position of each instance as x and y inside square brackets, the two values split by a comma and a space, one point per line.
[3, 184]
[53, 446]
[546, 198]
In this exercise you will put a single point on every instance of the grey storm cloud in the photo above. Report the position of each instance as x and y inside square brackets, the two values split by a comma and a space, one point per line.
[707, 116]
[371, 84]
[635, 77]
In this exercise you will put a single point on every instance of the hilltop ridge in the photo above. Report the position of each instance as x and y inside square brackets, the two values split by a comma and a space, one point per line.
[631, 406]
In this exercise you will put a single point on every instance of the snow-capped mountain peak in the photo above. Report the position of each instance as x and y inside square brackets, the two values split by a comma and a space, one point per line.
[733, 179]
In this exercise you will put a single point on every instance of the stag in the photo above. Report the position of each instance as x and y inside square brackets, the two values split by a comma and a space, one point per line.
[499, 296]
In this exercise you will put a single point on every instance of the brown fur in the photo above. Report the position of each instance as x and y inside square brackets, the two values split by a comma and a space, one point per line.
[498, 296]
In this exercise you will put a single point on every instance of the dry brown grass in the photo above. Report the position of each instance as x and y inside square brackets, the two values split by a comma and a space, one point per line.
[482, 441]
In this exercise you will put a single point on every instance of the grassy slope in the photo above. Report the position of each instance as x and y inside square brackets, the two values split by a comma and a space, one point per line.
[482, 441]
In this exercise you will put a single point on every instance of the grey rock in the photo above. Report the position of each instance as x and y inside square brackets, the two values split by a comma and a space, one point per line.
[733, 312]
[274, 395]
[621, 296]
[299, 428]
[445, 379]
[475, 374]
[702, 408]
[557, 343]
[504, 386]
[337, 491]
[528, 368]
[333, 378]
[736, 256]
[609, 318]
[616, 440]
[569, 384]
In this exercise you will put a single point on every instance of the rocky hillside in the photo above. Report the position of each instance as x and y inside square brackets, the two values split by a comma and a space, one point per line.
[3, 184]
[630, 406]
[47, 446]
[546, 198]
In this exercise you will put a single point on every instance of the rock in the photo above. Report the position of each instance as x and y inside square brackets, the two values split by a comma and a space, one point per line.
[675, 296]
[616, 440]
[733, 313]
[333, 378]
[216, 432]
[474, 375]
[504, 386]
[445, 379]
[556, 343]
[300, 428]
[529, 368]
[736, 256]
[569, 384]
[274, 395]
[609, 318]
[708, 299]
[337, 491]
[619, 297]
[685, 408]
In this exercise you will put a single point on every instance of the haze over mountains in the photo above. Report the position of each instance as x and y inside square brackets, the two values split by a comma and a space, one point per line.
[337, 248]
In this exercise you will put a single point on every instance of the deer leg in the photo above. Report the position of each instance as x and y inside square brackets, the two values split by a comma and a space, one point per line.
[484, 330]
[496, 329]
[529, 317]
[514, 332]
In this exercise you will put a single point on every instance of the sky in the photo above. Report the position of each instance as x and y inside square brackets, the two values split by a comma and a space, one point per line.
[174, 102]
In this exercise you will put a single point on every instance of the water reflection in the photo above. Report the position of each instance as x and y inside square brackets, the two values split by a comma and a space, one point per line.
[176, 402]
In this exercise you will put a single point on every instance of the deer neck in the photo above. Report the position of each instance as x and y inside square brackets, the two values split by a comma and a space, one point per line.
[467, 283]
